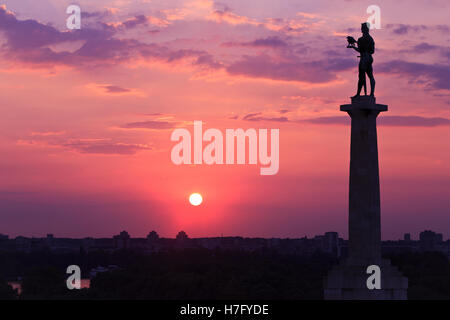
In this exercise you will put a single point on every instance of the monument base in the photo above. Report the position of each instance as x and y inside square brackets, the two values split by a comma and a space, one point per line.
[347, 281]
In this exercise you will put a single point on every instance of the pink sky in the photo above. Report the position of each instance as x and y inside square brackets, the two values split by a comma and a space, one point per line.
[87, 115]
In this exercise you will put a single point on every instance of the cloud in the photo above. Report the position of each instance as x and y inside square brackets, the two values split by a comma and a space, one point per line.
[268, 115]
[115, 89]
[84, 145]
[106, 89]
[135, 21]
[392, 121]
[385, 120]
[259, 117]
[104, 46]
[48, 133]
[102, 146]
[269, 42]
[98, 14]
[413, 121]
[30, 42]
[139, 20]
[207, 60]
[225, 15]
[402, 29]
[425, 47]
[299, 24]
[150, 124]
[290, 69]
[30, 34]
[335, 120]
[436, 76]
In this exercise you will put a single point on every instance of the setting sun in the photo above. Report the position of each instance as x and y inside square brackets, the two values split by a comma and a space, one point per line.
[195, 199]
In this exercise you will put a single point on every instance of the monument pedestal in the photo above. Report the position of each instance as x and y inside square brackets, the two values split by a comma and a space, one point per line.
[348, 279]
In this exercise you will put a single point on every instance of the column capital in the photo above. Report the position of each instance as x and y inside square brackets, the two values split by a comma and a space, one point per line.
[364, 103]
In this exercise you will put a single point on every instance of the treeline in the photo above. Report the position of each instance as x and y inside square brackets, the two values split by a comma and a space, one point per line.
[428, 274]
[203, 274]
[180, 274]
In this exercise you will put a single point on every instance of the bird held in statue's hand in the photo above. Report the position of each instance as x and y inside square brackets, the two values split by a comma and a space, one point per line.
[351, 41]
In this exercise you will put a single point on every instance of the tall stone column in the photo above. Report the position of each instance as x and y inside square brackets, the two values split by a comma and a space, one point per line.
[348, 279]
[364, 195]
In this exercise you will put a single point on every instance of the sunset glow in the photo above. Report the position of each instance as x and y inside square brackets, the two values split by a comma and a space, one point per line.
[87, 116]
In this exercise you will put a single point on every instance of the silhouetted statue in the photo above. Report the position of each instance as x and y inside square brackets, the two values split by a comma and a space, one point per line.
[366, 47]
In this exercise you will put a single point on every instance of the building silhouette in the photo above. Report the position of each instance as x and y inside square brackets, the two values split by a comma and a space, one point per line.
[329, 243]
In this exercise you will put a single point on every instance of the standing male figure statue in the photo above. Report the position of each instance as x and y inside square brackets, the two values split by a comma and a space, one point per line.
[366, 47]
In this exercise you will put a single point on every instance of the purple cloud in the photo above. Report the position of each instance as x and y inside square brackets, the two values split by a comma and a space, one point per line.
[135, 21]
[402, 29]
[270, 42]
[96, 14]
[425, 47]
[30, 34]
[437, 76]
[291, 69]
[91, 146]
[28, 41]
[207, 60]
